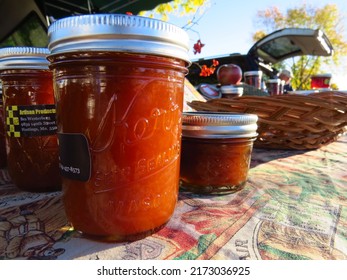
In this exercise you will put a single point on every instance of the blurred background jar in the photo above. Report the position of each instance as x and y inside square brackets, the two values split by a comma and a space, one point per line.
[119, 84]
[253, 78]
[30, 120]
[2, 133]
[216, 151]
[321, 81]
[273, 86]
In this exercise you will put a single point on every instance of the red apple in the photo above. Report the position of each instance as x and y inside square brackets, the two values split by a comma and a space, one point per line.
[229, 74]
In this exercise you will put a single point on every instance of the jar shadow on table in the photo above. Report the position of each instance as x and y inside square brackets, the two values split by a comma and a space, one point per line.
[260, 156]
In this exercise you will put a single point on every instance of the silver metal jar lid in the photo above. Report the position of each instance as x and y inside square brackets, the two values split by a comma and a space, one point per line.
[219, 125]
[232, 90]
[273, 81]
[326, 75]
[24, 58]
[119, 33]
[253, 73]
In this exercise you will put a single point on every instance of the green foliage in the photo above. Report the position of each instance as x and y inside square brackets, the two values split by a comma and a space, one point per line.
[326, 18]
[179, 7]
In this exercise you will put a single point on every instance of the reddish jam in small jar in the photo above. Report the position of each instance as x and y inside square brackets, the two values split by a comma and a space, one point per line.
[119, 105]
[32, 144]
[216, 151]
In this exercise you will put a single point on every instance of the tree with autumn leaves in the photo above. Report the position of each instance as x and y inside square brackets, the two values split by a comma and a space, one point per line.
[326, 18]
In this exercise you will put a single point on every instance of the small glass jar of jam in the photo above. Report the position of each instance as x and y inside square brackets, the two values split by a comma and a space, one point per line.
[273, 86]
[30, 123]
[216, 151]
[230, 91]
[253, 78]
[321, 81]
[119, 84]
[2, 134]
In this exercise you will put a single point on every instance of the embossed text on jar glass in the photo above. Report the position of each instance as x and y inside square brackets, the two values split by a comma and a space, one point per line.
[32, 145]
[119, 104]
[216, 151]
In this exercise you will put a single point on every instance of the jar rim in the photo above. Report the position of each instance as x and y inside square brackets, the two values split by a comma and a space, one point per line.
[119, 33]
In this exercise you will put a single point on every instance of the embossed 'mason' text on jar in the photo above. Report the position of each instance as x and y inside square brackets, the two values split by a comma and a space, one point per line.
[119, 83]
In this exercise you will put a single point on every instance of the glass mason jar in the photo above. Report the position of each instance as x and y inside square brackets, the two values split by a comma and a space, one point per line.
[273, 86]
[32, 145]
[253, 78]
[216, 151]
[2, 133]
[119, 83]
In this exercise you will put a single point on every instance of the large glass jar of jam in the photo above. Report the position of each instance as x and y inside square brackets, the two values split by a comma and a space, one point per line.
[119, 83]
[2, 133]
[32, 145]
[216, 151]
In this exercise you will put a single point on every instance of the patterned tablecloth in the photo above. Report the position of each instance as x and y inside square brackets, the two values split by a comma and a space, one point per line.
[294, 206]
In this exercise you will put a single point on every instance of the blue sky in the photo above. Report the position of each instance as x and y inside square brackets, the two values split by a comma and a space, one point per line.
[227, 26]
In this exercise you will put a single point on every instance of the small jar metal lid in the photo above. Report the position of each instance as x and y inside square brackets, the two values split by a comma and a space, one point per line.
[253, 73]
[24, 58]
[232, 90]
[118, 33]
[273, 81]
[326, 75]
[219, 125]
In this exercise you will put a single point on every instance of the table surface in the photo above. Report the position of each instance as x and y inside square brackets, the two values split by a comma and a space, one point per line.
[294, 206]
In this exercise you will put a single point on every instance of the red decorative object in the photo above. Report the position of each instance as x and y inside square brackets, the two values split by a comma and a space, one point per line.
[198, 46]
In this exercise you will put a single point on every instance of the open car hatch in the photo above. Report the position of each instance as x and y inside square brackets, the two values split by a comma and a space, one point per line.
[289, 42]
[273, 48]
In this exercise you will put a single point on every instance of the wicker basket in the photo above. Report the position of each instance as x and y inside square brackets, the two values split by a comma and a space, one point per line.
[290, 121]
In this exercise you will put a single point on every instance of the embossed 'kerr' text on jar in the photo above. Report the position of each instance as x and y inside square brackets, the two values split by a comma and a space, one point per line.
[30, 120]
[119, 84]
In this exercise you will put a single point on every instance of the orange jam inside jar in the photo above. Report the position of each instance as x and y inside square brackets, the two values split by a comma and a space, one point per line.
[216, 151]
[30, 122]
[2, 133]
[119, 105]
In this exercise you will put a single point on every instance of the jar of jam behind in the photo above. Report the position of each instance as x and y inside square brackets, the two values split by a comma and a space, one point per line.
[119, 83]
[2, 134]
[216, 151]
[32, 146]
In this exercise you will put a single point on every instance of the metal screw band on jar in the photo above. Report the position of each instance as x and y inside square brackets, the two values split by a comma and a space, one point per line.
[118, 33]
[218, 125]
[24, 58]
